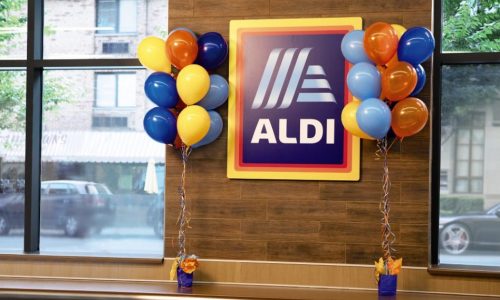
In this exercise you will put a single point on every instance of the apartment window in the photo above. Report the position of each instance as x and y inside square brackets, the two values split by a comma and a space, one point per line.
[115, 90]
[469, 157]
[81, 190]
[465, 139]
[116, 16]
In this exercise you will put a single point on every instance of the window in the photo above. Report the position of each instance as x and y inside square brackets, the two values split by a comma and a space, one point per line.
[81, 190]
[115, 89]
[465, 136]
[116, 16]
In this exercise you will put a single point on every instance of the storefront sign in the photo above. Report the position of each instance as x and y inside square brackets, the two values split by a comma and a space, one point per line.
[287, 90]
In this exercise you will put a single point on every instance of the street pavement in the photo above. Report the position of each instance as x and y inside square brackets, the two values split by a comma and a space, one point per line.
[115, 241]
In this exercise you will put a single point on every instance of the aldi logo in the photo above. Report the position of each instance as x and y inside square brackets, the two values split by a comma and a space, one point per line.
[288, 88]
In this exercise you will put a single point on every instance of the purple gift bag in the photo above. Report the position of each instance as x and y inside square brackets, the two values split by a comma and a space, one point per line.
[184, 279]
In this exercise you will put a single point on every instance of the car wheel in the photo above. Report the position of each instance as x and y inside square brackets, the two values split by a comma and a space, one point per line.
[73, 227]
[4, 225]
[455, 238]
[158, 226]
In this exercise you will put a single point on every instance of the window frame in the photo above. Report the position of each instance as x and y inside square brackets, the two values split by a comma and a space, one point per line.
[34, 65]
[441, 59]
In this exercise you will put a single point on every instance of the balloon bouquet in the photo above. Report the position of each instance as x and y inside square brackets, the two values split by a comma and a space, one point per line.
[386, 76]
[185, 118]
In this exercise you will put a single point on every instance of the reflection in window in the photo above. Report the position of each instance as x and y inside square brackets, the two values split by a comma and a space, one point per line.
[12, 156]
[93, 176]
[470, 143]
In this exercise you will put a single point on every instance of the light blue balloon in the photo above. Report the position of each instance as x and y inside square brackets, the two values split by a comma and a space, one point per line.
[363, 81]
[215, 130]
[217, 94]
[352, 47]
[374, 117]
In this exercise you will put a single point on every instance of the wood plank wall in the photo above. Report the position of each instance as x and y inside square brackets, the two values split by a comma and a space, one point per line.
[327, 222]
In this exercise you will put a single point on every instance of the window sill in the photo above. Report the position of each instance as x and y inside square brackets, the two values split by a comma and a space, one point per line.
[27, 288]
[58, 257]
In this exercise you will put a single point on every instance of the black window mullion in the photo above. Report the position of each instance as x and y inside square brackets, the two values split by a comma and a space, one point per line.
[33, 127]
[436, 134]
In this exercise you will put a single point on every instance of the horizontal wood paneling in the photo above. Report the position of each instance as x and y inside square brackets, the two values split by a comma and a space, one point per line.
[306, 221]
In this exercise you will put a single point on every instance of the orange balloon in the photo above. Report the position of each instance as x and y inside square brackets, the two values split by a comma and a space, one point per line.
[399, 81]
[381, 69]
[380, 42]
[409, 116]
[393, 60]
[182, 48]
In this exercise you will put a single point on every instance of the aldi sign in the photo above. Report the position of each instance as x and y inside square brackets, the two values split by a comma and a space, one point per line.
[287, 91]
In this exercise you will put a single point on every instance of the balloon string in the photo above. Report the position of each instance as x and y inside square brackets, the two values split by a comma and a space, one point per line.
[184, 215]
[388, 236]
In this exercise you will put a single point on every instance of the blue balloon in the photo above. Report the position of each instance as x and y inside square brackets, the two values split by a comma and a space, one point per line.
[374, 117]
[215, 130]
[363, 81]
[416, 45]
[421, 77]
[217, 94]
[161, 89]
[352, 47]
[212, 50]
[160, 125]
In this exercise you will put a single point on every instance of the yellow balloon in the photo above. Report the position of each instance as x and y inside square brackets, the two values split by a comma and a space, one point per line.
[152, 54]
[193, 124]
[399, 30]
[349, 120]
[193, 83]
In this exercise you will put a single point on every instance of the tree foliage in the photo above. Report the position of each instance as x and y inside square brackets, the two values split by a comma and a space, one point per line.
[471, 25]
[12, 83]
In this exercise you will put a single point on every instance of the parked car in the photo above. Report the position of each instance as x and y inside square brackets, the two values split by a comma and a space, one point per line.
[460, 233]
[155, 215]
[77, 207]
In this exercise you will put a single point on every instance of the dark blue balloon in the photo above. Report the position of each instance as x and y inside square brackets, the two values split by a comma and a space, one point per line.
[161, 89]
[160, 125]
[416, 45]
[212, 50]
[421, 77]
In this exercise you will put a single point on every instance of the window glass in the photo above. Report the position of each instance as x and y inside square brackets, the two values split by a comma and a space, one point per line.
[105, 90]
[110, 214]
[471, 26]
[13, 26]
[106, 16]
[467, 234]
[101, 28]
[12, 155]
[128, 16]
[127, 85]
